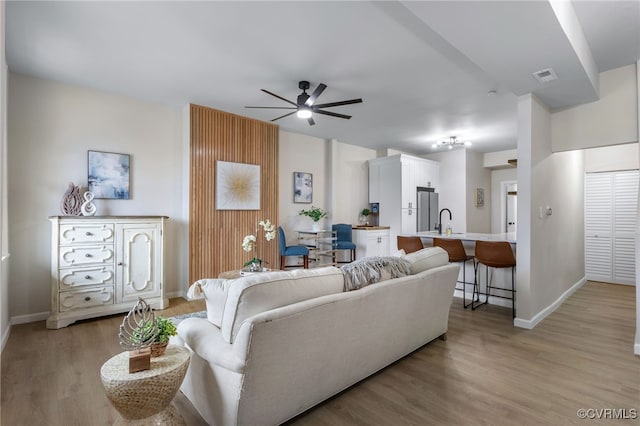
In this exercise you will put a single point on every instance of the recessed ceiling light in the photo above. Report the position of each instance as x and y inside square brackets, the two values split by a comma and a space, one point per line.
[545, 75]
[491, 93]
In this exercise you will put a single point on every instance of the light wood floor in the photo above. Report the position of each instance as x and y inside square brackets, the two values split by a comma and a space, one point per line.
[486, 373]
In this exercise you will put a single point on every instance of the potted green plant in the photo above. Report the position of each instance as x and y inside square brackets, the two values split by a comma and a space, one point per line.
[166, 329]
[315, 213]
[364, 216]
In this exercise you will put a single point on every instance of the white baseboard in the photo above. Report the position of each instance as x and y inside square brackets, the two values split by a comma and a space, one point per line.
[636, 347]
[175, 294]
[5, 337]
[530, 324]
[42, 316]
[492, 300]
[23, 319]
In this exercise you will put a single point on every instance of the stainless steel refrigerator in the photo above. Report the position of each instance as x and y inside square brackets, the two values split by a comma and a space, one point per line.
[427, 209]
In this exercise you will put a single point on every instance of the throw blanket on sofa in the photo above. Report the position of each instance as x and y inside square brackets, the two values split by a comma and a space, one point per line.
[372, 270]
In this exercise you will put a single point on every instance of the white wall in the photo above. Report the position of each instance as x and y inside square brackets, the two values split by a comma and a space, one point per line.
[636, 347]
[497, 178]
[477, 176]
[550, 252]
[453, 185]
[300, 153]
[611, 158]
[349, 181]
[340, 180]
[51, 128]
[500, 159]
[5, 325]
[611, 120]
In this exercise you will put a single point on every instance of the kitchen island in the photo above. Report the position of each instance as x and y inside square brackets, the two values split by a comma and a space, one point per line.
[498, 277]
[427, 237]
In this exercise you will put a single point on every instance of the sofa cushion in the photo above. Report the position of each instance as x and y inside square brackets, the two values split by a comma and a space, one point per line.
[426, 259]
[214, 291]
[253, 294]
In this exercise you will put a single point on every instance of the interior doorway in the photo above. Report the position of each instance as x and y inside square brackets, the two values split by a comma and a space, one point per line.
[509, 206]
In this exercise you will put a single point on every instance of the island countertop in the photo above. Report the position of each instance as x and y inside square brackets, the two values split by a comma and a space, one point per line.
[369, 227]
[471, 236]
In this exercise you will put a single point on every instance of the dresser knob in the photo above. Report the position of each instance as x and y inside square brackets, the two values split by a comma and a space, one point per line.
[86, 299]
[87, 277]
[87, 255]
[88, 234]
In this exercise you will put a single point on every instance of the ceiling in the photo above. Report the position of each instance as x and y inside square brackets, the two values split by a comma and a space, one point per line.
[423, 69]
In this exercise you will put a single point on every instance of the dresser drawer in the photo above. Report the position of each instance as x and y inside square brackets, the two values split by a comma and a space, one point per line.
[82, 277]
[86, 255]
[86, 233]
[87, 298]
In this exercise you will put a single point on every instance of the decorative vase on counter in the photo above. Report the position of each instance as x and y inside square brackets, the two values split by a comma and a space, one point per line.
[88, 208]
[255, 266]
[71, 202]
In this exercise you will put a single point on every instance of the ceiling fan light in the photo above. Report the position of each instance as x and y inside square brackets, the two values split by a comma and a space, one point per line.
[434, 146]
[450, 146]
[303, 113]
[467, 143]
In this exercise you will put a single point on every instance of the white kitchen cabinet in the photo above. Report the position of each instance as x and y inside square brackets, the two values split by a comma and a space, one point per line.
[409, 221]
[397, 178]
[410, 172]
[374, 182]
[371, 242]
[101, 265]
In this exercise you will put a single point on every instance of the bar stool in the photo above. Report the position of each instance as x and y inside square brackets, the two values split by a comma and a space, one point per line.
[458, 254]
[495, 254]
[409, 244]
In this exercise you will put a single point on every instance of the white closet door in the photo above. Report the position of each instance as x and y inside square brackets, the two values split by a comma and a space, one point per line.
[598, 223]
[625, 213]
[611, 204]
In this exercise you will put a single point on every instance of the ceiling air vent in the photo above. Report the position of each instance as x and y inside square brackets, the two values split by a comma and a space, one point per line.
[546, 75]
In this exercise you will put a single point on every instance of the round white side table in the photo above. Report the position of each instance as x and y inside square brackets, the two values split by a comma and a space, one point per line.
[145, 397]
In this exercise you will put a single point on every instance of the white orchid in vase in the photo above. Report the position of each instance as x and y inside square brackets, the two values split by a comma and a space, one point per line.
[249, 243]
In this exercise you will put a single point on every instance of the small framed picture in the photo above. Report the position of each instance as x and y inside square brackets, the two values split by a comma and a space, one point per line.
[302, 187]
[108, 175]
[479, 197]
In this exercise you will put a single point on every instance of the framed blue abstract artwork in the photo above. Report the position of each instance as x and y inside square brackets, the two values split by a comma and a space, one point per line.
[302, 187]
[108, 175]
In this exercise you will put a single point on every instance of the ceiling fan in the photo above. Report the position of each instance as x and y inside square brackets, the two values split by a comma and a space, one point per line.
[306, 104]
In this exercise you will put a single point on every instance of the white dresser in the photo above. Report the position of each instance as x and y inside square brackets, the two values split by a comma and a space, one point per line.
[100, 265]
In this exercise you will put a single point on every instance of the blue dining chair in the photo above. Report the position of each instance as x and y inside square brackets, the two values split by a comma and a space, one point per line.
[343, 239]
[291, 251]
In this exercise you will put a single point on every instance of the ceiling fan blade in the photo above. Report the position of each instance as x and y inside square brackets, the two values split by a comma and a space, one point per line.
[333, 104]
[283, 116]
[332, 114]
[315, 94]
[270, 107]
[280, 97]
[311, 122]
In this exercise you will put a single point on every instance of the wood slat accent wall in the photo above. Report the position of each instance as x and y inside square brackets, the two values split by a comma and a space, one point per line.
[215, 236]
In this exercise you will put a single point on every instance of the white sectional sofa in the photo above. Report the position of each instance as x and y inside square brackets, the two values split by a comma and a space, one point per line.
[274, 345]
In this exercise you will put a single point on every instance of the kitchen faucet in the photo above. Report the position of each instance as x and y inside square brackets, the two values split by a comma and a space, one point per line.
[439, 225]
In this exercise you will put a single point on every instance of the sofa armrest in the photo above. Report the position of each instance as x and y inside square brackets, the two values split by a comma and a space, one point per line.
[205, 339]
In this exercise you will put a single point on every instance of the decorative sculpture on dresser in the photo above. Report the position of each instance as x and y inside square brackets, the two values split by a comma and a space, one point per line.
[71, 202]
[137, 332]
[88, 208]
